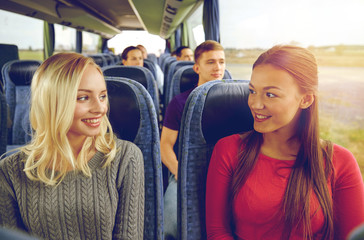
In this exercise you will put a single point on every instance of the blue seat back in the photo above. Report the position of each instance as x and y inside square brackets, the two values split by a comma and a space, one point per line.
[150, 66]
[152, 57]
[166, 62]
[213, 110]
[3, 123]
[133, 118]
[8, 53]
[139, 74]
[18, 75]
[173, 67]
[99, 59]
[162, 58]
[186, 78]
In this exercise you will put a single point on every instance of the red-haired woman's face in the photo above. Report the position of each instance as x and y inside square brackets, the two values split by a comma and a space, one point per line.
[275, 100]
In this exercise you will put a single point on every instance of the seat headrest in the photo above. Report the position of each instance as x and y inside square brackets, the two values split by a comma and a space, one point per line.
[124, 113]
[226, 111]
[21, 72]
[131, 72]
[189, 79]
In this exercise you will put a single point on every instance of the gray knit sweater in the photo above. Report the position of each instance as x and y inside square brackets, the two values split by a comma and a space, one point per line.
[107, 205]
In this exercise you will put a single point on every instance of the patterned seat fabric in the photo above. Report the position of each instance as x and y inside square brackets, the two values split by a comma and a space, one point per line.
[213, 110]
[133, 118]
[173, 67]
[3, 123]
[17, 76]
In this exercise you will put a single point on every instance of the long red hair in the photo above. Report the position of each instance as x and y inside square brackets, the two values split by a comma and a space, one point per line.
[313, 169]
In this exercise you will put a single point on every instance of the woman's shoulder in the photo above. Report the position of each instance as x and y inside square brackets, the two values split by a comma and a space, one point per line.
[14, 160]
[232, 141]
[127, 151]
[344, 163]
[341, 155]
[126, 146]
[235, 138]
[11, 168]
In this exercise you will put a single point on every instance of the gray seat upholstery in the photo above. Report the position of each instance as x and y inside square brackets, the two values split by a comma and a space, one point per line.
[18, 75]
[139, 74]
[213, 110]
[133, 118]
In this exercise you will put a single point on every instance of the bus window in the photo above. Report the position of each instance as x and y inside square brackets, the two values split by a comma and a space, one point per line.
[90, 42]
[195, 28]
[25, 32]
[337, 42]
[153, 43]
[65, 38]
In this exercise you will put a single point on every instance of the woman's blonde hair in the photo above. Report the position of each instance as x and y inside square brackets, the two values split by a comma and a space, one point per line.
[53, 100]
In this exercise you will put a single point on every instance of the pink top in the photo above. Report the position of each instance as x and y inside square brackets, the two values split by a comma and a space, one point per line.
[257, 206]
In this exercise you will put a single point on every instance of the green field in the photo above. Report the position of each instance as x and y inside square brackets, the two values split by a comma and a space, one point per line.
[30, 55]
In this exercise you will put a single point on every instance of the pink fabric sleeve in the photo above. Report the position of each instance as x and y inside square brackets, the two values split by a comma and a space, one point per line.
[348, 194]
[219, 177]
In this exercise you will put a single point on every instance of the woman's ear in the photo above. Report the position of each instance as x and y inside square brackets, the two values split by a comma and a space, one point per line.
[307, 100]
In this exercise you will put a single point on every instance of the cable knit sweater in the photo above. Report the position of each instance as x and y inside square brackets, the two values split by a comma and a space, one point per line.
[107, 205]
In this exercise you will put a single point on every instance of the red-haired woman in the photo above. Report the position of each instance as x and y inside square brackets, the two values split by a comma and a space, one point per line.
[280, 180]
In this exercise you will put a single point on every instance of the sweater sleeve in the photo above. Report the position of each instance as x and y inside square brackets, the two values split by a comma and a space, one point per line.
[9, 211]
[348, 194]
[218, 206]
[129, 222]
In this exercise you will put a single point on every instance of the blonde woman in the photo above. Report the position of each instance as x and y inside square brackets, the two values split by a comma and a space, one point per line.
[75, 180]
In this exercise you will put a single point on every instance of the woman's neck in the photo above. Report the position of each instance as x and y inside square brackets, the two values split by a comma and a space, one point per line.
[280, 146]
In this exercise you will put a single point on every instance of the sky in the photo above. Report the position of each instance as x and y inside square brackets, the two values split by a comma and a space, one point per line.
[243, 24]
[264, 23]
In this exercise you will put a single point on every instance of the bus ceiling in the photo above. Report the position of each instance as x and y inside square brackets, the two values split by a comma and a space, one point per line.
[108, 17]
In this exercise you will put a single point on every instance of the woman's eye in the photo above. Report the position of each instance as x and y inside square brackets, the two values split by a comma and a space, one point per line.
[82, 98]
[103, 97]
[251, 91]
[271, 95]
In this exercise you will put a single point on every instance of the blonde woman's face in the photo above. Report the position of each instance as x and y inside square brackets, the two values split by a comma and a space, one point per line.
[91, 106]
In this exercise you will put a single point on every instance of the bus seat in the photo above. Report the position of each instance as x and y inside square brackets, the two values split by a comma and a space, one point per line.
[162, 57]
[3, 123]
[18, 75]
[213, 110]
[8, 53]
[166, 62]
[139, 74]
[150, 66]
[186, 78]
[133, 118]
[152, 57]
[173, 67]
[99, 59]
[109, 59]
